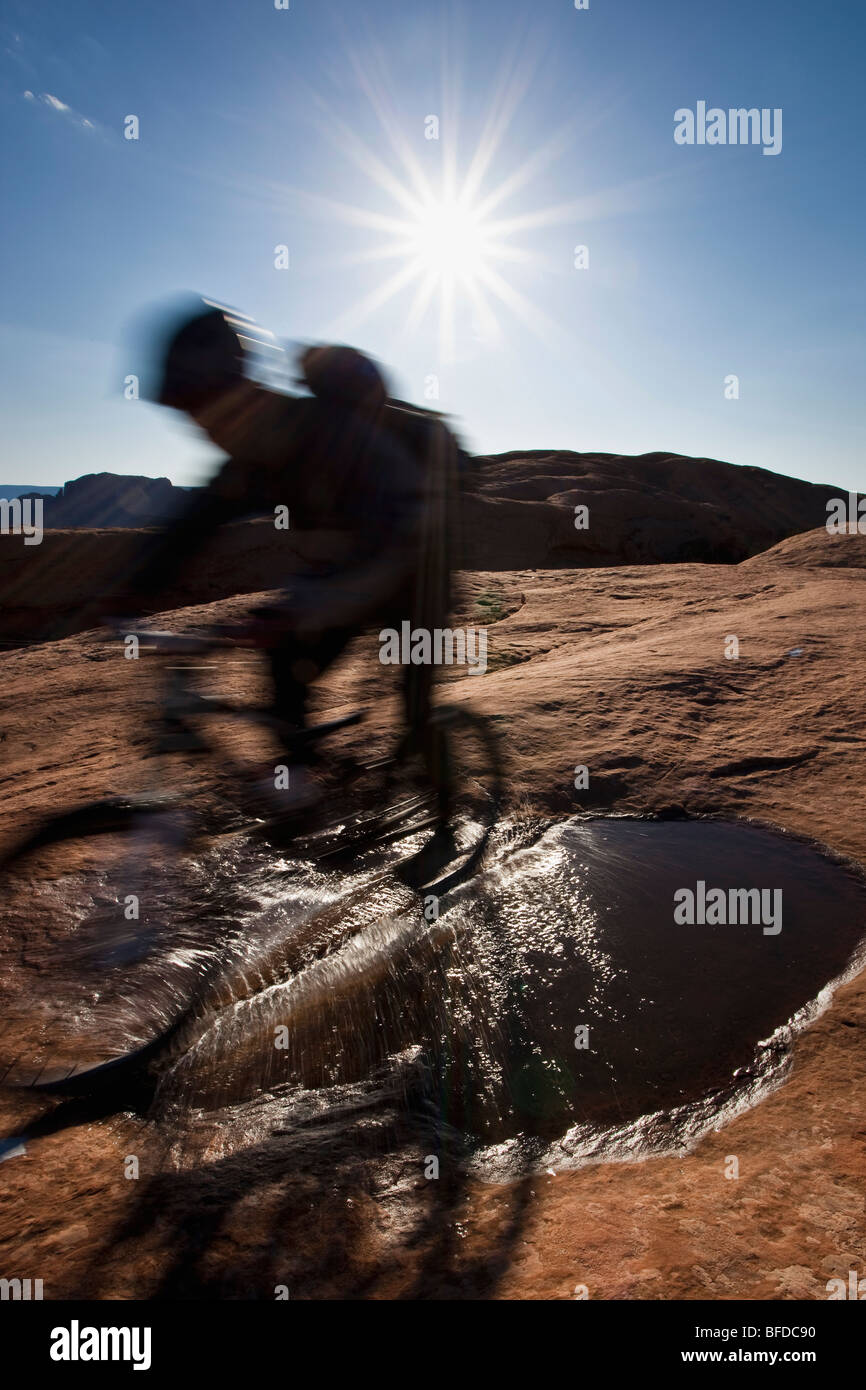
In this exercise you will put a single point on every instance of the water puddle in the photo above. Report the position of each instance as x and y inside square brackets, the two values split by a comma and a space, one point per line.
[612, 989]
[690, 985]
[603, 989]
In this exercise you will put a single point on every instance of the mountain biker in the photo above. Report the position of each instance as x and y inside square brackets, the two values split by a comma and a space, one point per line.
[342, 462]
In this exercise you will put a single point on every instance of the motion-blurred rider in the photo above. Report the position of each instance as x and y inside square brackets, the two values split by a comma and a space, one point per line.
[376, 475]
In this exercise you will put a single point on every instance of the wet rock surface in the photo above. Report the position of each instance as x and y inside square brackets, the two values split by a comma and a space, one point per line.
[625, 672]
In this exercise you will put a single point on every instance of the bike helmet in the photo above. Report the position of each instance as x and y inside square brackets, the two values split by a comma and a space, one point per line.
[210, 351]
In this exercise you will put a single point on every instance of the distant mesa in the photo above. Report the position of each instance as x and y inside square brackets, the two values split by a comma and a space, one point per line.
[10, 490]
[99, 500]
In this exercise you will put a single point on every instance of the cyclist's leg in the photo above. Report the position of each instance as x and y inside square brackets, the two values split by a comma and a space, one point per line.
[295, 664]
[428, 738]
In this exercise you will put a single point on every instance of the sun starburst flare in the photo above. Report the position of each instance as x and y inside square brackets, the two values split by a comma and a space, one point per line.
[446, 243]
[450, 241]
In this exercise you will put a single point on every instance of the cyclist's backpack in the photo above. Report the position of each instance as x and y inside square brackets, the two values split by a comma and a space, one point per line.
[344, 375]
[425, 435]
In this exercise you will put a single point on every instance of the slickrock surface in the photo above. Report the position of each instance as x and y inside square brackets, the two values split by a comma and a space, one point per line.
[623, 670]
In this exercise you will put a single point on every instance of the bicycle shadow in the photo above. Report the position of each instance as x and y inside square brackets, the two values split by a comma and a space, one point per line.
[343, 1208]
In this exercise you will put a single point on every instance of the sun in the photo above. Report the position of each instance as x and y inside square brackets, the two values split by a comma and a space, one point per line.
[449, 240]
[448, 250]
[446, 236]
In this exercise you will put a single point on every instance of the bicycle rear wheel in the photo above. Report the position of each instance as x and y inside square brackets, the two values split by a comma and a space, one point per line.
[458, 755]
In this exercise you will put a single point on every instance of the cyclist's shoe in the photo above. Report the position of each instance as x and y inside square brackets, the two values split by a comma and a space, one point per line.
[286, 793]
[430, 860]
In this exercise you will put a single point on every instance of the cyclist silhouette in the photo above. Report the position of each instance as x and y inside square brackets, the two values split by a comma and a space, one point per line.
[376, 475]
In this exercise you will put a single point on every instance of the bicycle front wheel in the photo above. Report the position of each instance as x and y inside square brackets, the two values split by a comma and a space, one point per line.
[86, 902]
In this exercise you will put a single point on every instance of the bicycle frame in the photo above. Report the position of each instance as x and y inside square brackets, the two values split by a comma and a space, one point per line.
[182, 702]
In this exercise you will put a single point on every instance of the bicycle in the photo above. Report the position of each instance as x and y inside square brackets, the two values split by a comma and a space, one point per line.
[85, 969]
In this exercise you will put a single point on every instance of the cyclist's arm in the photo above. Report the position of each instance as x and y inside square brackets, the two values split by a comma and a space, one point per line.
[166, 553]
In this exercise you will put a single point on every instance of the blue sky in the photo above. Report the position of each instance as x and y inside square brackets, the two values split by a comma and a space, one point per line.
[262, 127]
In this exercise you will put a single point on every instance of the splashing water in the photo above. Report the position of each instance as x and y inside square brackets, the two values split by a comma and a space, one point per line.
[554, 1011]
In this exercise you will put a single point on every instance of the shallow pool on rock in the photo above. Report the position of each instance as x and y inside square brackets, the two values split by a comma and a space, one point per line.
[476, 1013]
[582, 930]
